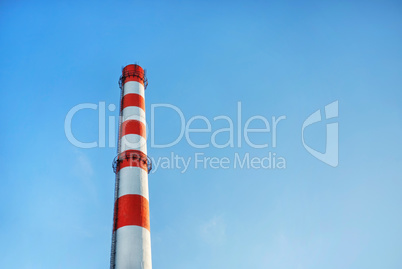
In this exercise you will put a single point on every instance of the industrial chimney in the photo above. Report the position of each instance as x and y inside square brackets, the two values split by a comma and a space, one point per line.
[131, 241]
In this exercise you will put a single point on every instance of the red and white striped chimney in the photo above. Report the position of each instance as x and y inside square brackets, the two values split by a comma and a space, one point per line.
[131, 241]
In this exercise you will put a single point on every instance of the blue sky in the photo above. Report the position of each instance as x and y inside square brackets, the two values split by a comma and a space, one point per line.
[287, 58]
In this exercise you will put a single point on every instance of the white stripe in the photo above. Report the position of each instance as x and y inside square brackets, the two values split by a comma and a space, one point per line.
[133, 180]
[133, 248]
[133, 113]
[133, 141]
[134, 87]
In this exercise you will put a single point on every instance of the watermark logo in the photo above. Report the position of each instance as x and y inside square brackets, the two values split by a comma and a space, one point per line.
[219, 132]
[201, 161]
[330, 156]
[239, 135]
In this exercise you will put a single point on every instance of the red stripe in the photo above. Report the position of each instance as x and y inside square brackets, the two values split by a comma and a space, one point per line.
[133, 72]
[133, 127]
[132, 158]
[131, 209]
[132, 99]
[134, 78]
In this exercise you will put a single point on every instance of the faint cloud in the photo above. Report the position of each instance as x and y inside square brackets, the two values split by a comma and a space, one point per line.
[83, 170]
[213, 231]
[287, 251]
[84, 166]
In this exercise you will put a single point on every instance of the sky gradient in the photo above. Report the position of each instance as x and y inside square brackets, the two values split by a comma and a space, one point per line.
[204, 57]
